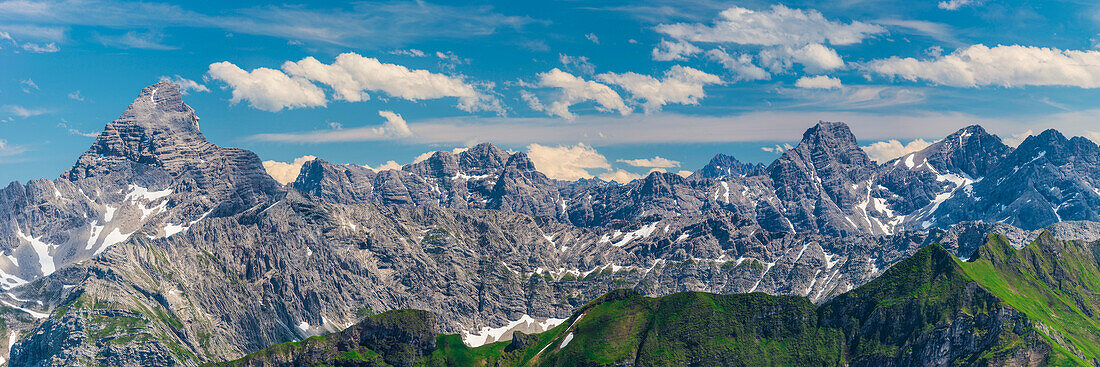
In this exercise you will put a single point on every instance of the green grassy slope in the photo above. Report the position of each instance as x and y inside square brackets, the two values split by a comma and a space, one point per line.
[1056, 283]
[898, 316]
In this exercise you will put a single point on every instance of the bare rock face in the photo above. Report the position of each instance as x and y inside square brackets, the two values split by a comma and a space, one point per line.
[724, 166]
[822, 179]
[150, 171]
[463, 181]
[522, 189]
[918, 179]
[1047, 179]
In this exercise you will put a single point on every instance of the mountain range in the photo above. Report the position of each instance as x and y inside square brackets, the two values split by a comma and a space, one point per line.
[930, 309]
[159, 248]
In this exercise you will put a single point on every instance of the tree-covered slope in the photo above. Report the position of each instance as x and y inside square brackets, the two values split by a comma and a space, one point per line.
[1031, 307]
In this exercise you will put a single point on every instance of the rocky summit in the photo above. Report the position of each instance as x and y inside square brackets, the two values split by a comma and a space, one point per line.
[159, 248]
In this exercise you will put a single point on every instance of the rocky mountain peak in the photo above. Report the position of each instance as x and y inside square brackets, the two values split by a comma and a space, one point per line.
[520, 162]
[439, 164]
[829, 146]
[827, 164]
[971, 151]
[827, 149]
[723, 166]
[659, 183]
[484, 158]
[829, 133]
[1049, 144]
[157, 129]
[161, 105]
[523, 189]
[1077, 154]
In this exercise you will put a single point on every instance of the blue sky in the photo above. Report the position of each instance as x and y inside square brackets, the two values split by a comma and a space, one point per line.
[590, 88]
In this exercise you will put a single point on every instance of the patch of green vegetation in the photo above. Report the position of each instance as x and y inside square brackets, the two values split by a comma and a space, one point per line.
[754, 329]
[100, 327]
[167, 319]
[1054, 283]
[756, 265]
[365, 311]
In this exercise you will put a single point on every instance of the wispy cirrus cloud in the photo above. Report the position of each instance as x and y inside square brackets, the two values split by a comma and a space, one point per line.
[186, 85]
[675, 128]
[25, 112]
[393, 128]
[364, 24]
[133, 39]
[10, 153]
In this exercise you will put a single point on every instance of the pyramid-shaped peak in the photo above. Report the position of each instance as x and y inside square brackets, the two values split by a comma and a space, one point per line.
[156, 129]
[830, 141]
[161, 105]
[970, 150]
[1049, 135]
[520, 161]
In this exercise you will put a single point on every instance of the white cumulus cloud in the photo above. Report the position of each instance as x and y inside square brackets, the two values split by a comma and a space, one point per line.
[566, 162]
[389, 165]
[267, 89]
[681, 84]
[741, 65]
[285, 172]
[351, 76]
[814, 58]
[674, 50]
[573, 90]
[656, 161]
[818, 82]
[1005, 66]
[779, 25]
[884, 151]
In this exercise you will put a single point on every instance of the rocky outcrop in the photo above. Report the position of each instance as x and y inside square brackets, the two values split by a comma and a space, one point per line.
[150, 171]
[724, 166]
[1047, 179]
[822, 179]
